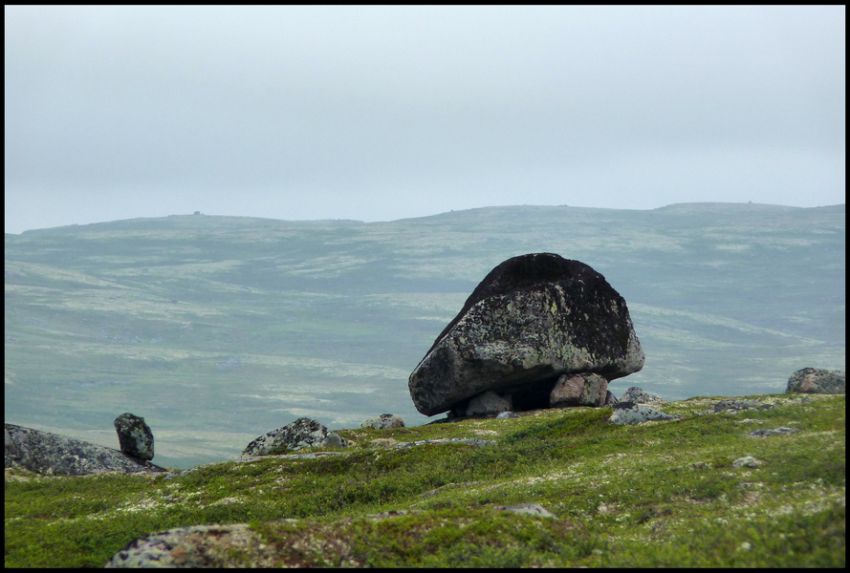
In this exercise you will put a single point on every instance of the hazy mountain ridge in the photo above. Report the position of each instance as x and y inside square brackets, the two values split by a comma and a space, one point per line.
[238, 325]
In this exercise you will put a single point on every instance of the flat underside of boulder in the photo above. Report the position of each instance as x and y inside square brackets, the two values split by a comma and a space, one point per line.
[532, 319]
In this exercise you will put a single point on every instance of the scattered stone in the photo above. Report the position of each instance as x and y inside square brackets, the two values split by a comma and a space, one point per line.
[383, 422]
[632, 413]
[582, 389]
[747, 462]
[300, 434]
[531, 319]
[487, 404]
[527, 509]
[816, 381]
[638, 395]
[196, 546]
[465, 441]
[52, 454]
[134, 436]
[735, 406]
[781, 431]
[506, 415]
[610, 399]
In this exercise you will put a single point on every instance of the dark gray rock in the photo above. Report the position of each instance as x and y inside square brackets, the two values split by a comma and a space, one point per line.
[52, 454]
[640, 396]
[300, 434]
[582, 389]
[816, 381]
[383, 422]
[610, 399]
[532, 318]
[735, 406]
[134, 436]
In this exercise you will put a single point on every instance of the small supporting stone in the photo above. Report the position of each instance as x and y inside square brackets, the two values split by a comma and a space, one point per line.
[582, 389]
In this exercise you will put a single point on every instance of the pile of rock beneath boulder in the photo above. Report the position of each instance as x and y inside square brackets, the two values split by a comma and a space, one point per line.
[539, 331]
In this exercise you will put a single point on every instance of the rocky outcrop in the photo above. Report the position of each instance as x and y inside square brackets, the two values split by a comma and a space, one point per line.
[52, 454]
[816, 381]
[532, 319]
[300, 434]
[639, 396]
[134, 436]
[383, 422]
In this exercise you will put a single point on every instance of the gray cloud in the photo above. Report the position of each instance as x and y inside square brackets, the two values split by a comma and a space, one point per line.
[385, 112]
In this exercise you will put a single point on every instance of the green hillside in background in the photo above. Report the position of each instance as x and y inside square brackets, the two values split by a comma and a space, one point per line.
[218, 329]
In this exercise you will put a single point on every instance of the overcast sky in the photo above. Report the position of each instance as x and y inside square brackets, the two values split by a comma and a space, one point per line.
[379, 113]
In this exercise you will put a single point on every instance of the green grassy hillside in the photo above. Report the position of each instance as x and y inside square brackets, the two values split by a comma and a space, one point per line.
[658, 494]
[218, 329]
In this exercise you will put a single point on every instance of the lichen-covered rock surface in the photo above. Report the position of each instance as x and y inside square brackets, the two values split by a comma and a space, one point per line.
[300, 434]
[817, 381]
[531, 319]
[48, 453]
[134, 436]
[383, 422]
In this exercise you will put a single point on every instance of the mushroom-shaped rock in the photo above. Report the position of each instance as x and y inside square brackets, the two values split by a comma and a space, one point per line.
[134, 436]
[533, 318]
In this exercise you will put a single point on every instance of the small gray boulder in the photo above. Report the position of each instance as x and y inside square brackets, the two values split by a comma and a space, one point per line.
[383, 422]
[631, 413]
[134, 436]
[640, 396]
[583, 389]
[300, 434]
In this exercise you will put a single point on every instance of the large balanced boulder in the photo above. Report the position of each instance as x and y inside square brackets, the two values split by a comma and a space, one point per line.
[298, 435]
[532, 319]
[134, 436]
[52, 454]
[816, 381]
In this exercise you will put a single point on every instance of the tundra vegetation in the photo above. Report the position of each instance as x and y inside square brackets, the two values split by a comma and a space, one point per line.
[658, 494]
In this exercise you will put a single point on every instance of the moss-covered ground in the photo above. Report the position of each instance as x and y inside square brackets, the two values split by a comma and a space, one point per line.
[659, 494]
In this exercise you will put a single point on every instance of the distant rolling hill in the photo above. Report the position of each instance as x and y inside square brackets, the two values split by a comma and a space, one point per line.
[217, 329]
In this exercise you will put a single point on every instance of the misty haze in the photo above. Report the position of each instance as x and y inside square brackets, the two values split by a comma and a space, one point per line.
[424, 265]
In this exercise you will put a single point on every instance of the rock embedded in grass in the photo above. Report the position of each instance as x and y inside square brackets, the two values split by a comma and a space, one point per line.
[747, 462]
[627, 413]
[134, 436]
[531, 319]
[816, 381]
[300, 434]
